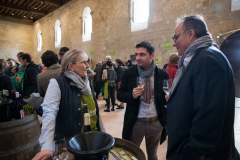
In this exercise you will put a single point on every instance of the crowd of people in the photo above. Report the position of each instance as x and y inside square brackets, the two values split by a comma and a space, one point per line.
[197, 115]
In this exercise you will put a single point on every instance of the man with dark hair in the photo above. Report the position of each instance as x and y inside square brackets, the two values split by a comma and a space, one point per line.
[62, 51]
[50, 60]
[119, 72]
[11, 65]
[98, 78]
[5, 81]
[129, 63]
[30, 85]
[201, 101]
[145, 117]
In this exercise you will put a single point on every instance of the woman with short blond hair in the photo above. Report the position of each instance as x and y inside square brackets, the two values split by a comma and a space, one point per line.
[62, 109]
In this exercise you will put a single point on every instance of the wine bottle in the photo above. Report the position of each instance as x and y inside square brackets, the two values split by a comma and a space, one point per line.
[87, 123]
[7, 94]
[18, 108]
[85, 108]
[13, 108]
[13, 95]
[4, 95]
[1, 95]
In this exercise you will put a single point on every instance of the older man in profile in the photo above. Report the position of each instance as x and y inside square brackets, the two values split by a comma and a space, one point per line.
[201, 102]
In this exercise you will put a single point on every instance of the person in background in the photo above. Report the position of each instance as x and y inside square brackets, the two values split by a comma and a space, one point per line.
[107, 58]
[172, 66]
[5, 81]
[201, 102]
[50, 60]
[109, 77]
[11, 65]
[19, 73]
[119, 71]
[129, 63]
[62, 51]
[30, 85]
[98, 78]
[145, 117]
[165, 66]
[125, 65]
[62, 109]
[91, 73]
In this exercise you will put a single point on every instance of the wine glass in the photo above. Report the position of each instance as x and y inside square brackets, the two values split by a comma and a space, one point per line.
[167, 84]
[61, 152]
[140, 83]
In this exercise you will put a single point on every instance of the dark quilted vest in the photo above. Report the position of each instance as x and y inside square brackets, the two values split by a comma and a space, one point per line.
[69, 119]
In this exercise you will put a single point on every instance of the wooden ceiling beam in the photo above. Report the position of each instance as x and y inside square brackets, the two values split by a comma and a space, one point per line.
[51, 2]
[15, 17]
[19, 8]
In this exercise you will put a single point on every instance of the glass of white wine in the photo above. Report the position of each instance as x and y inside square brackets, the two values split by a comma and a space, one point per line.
[140, 83]
[167, 84]
[61, 152]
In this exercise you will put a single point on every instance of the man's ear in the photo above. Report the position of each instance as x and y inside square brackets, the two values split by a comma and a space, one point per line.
[192, 34]
[153, 55]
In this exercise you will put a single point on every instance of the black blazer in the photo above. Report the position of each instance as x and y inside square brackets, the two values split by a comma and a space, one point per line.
[129, 81]
[6, 83]
[201, 109]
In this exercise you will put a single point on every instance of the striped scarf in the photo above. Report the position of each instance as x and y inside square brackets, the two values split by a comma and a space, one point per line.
[201, 42]
[146, 74]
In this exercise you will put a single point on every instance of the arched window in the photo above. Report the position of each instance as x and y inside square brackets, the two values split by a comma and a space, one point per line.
[139, 14]
[57, 34]
[87, 24]
[39, 37]
[235, 5]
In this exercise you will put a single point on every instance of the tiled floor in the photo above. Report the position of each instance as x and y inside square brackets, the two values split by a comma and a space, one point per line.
[113, 123]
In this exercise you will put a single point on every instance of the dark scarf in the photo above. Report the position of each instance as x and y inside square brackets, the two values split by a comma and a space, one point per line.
[146, 74]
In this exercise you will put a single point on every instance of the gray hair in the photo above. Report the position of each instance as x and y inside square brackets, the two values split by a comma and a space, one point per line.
[108, 57]
[72, 57]
[196, 23]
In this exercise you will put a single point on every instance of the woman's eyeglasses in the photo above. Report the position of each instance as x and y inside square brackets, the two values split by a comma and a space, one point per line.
[83, 62]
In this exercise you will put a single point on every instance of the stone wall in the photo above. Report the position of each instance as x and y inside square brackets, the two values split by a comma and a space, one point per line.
[112, 29]
[14, 38]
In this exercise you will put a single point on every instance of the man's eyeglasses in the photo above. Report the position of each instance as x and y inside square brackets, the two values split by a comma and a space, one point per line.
[83, 62]
[176, 36]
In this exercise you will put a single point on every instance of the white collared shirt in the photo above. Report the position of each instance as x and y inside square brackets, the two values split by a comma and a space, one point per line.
[148, 110]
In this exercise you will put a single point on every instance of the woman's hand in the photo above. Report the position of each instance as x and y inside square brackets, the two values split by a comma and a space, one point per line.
[44, 155]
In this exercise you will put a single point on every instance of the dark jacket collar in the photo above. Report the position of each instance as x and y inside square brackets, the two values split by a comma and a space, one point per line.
[2, 74]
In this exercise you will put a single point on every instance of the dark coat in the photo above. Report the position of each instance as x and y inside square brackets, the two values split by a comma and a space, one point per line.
[129, 82]
[69, 119]
[8, 71]
[201, 109]
[30, 84]
[119, 71]
[44, 78]
[6, 83]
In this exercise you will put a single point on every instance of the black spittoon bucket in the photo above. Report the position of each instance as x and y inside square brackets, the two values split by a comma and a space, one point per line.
[90, 145]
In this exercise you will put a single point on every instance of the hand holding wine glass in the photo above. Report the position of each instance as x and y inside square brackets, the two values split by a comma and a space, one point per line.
[167, 84]
[138, 91]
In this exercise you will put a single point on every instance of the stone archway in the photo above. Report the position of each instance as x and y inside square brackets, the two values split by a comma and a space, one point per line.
[231, 48]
